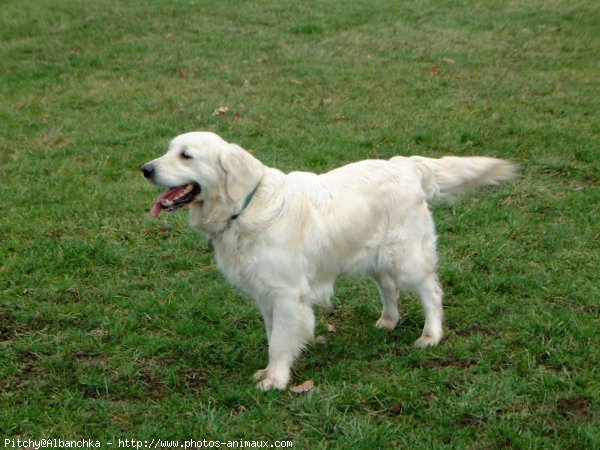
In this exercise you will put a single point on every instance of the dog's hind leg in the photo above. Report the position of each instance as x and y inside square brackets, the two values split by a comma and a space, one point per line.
[293, 327]
[389, 293]
[430, 293]
[415, 260]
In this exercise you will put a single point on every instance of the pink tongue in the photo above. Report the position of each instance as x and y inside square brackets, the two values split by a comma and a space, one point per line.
[156, 209]
[169, 195]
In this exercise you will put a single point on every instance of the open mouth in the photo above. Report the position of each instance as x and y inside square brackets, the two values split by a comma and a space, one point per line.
[175, 198]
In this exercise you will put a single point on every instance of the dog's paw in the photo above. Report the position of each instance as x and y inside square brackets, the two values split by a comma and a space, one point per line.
[427, 341]
[260, 375]
[269, 383]
[386, 323]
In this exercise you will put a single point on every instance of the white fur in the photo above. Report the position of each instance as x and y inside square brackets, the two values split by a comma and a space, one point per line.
[301, 230]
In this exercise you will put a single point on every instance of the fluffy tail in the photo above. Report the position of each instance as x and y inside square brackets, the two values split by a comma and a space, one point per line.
[448, 177]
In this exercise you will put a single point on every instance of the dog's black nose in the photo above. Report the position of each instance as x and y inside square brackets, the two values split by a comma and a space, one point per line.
[148, 170]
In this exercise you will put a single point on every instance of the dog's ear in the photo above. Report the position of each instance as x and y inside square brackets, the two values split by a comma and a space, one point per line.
[243, 172]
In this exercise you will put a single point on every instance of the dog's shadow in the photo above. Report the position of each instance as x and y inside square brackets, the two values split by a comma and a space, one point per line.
[348, 333]
[345, 337]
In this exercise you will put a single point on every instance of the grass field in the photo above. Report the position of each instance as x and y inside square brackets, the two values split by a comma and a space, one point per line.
[116, 325]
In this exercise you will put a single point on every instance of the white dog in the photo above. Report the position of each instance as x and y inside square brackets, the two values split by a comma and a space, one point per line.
[285, 238]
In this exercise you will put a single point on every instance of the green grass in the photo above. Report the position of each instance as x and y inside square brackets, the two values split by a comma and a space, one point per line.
[115, 325]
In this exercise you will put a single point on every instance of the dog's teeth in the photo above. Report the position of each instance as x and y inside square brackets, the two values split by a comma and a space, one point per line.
[167, 203]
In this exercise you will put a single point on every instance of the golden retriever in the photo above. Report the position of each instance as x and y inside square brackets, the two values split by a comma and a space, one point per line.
[284, 238]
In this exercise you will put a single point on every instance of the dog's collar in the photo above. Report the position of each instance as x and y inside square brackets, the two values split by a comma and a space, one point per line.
[211, 245]
[246, 203]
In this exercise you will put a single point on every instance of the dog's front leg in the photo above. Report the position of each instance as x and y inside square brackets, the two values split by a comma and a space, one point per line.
[266, 310]
[293, 324]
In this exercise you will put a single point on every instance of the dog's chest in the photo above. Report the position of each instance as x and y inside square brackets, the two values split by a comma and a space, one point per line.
[236, 259]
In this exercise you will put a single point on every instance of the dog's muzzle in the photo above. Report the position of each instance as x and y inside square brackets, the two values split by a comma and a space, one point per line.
[174, 197]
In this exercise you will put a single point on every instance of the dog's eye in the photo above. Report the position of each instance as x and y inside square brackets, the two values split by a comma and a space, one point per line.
[186, 155]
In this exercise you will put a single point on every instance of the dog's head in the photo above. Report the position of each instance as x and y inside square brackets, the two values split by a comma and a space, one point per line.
[202, 170]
